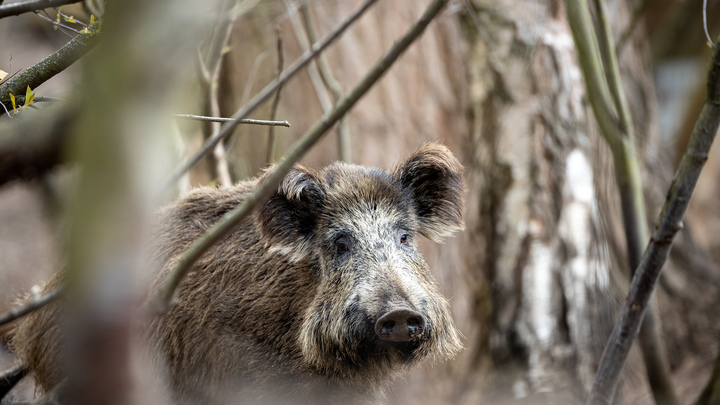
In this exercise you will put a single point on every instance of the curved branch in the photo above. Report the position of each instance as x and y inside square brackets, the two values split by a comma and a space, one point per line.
[588, 51]
[162, 297]
[30, 6]
[670, 221]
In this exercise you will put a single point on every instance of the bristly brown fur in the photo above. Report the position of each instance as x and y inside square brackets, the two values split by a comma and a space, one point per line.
[284, 308]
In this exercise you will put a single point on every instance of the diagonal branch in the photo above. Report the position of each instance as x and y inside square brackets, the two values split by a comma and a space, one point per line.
[31, 306]
[670, 221]
[266, 92]
[162, 297]
[44, 70]
[18, 8]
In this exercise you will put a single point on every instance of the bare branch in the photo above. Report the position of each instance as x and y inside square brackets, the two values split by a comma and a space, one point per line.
[613, 115]
[30, 6]
[162, 297]
[266, 92]
[42, 71]
[31, 306]
[318, 84]
[323, 67]
[329, 80]
[276, 100]
[243, 121]
[590, 61]
[627, 168]
[670, 221]
[211, 68]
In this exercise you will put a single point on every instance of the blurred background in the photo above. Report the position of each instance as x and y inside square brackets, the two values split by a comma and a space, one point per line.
[539, 274]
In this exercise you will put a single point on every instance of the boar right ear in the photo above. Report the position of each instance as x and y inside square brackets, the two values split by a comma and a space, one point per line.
[287, 220]
[434, 178]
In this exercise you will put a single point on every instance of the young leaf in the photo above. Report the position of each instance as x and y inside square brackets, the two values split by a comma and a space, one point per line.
[29, 96]
[12, 100]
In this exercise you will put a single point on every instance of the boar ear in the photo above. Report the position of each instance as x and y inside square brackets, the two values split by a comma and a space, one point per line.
[287, 220]
[434, 179]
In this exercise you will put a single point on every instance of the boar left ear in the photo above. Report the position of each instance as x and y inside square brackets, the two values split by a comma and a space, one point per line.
[287, 219]
[434, 178]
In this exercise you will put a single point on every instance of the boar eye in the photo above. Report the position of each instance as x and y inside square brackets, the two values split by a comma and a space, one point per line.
[404, 238]
[342, 244]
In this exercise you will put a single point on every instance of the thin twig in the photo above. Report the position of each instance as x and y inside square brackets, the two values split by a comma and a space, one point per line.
[42, 71]
[312, 69]
[627, 169]
[670, 221]
[612, 70]
[58, 24]
[31, 306]
[589, 58]
[611, 110]
[331, 84]
[266, 92]
[211, 69]
[30, 6]
[59, 27]
[243, 121]
[707, 34]
[325, 72]
[162, 298]
[276, 100]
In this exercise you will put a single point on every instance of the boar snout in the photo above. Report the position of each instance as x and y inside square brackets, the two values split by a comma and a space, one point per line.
[400, 325]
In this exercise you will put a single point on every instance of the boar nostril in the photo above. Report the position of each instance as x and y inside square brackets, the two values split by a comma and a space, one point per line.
[400, 325]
